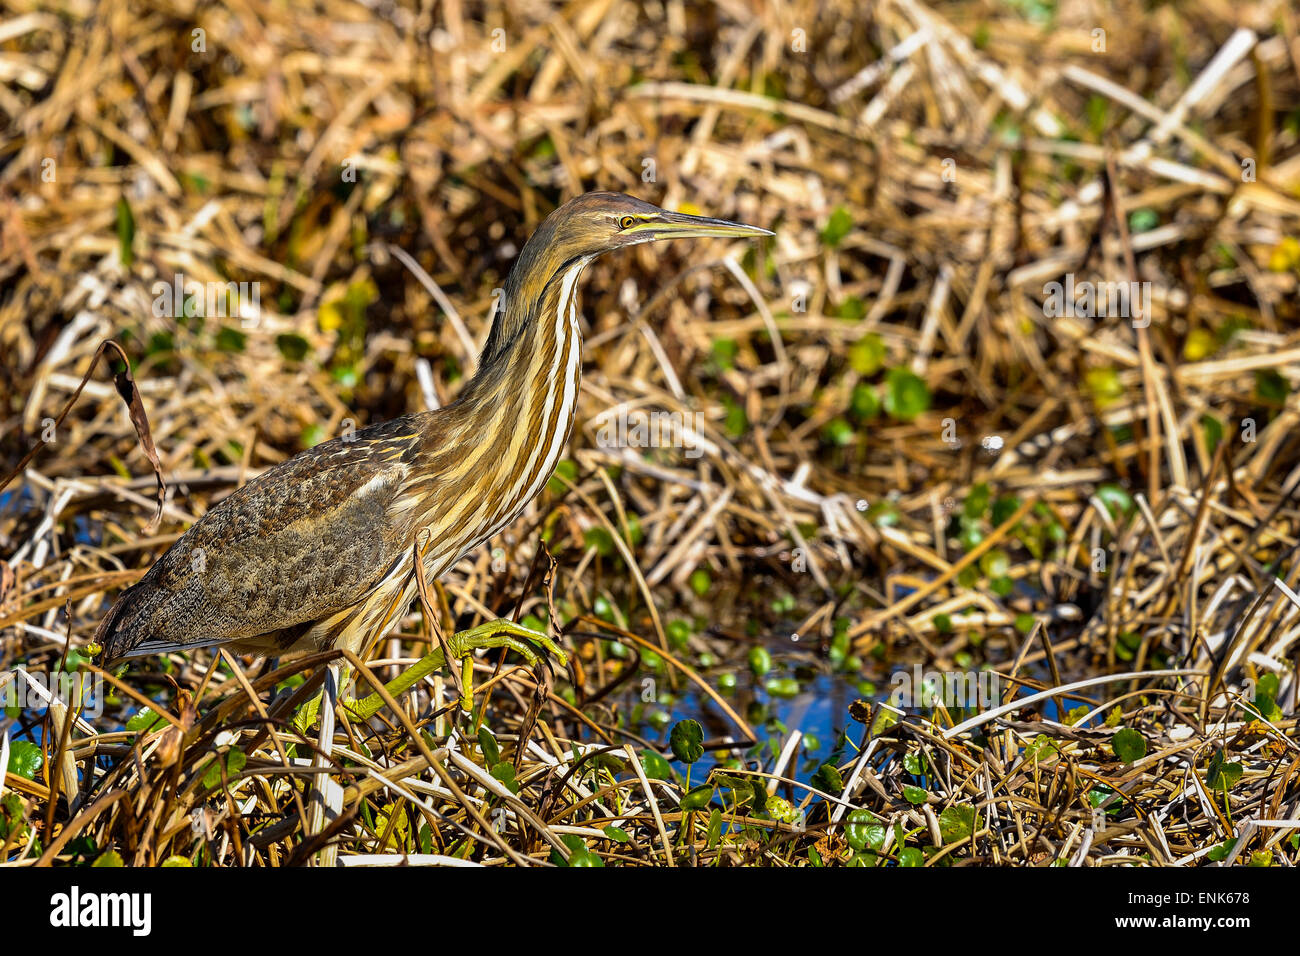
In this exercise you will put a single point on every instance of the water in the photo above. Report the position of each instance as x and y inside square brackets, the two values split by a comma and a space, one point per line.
[819, 710]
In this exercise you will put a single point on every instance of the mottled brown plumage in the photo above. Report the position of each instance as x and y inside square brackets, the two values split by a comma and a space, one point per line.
[317, 552]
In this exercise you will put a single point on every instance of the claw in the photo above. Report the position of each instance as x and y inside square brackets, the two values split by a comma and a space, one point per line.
[499, 633]
[506, 634]
[462, 645]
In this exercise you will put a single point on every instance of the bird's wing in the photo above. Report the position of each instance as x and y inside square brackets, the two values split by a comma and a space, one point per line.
[299, 542]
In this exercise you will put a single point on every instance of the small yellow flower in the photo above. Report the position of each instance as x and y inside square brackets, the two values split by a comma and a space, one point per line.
[1285, 255]
[1200, 344]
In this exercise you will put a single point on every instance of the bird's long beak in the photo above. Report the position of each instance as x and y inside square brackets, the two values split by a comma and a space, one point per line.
[678, 225]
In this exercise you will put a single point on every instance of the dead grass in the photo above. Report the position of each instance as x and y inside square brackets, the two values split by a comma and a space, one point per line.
[1142, 529]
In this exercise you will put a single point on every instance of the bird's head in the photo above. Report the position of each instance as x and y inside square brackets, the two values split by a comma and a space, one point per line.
[599, 222]
[573, 235]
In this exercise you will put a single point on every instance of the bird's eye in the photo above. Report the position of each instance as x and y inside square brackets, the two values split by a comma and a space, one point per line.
[627, 222]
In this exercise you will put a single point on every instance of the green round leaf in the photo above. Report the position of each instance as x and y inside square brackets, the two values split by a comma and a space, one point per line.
[838, 432]
[700, 581]
[906, 395]
[782, 687]
[838, 226]
[883, 514]
[956, 823]
[579, 855]
[1222, 851]
[995, 563]
[1271, 386]
[24, 759]
[1004, 508]
[863, 831]
[1222, 775]
[724, 352]
[1117, 501]
[828, 779]
[656, 767]
[697, 798]
[865, 402]
[313, 435]
[1143, 220]
[144, 721]
[867, 354]
[292, 346]
[505, 772]
[1129, 745]
[687, 740]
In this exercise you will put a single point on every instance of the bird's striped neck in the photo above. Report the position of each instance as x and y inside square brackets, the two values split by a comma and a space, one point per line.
[509, 426]
[540, 395]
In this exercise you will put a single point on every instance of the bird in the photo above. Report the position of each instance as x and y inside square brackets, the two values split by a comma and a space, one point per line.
[320, 551]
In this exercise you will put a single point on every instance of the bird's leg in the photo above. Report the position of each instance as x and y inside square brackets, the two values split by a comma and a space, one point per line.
[462, 646]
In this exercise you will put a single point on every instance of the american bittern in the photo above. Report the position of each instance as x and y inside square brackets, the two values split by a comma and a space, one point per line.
[318, 552]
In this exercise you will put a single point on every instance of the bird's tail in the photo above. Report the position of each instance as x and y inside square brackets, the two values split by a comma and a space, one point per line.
[115, 634]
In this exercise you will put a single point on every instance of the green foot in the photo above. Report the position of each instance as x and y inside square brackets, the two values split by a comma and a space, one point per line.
[462, 646]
